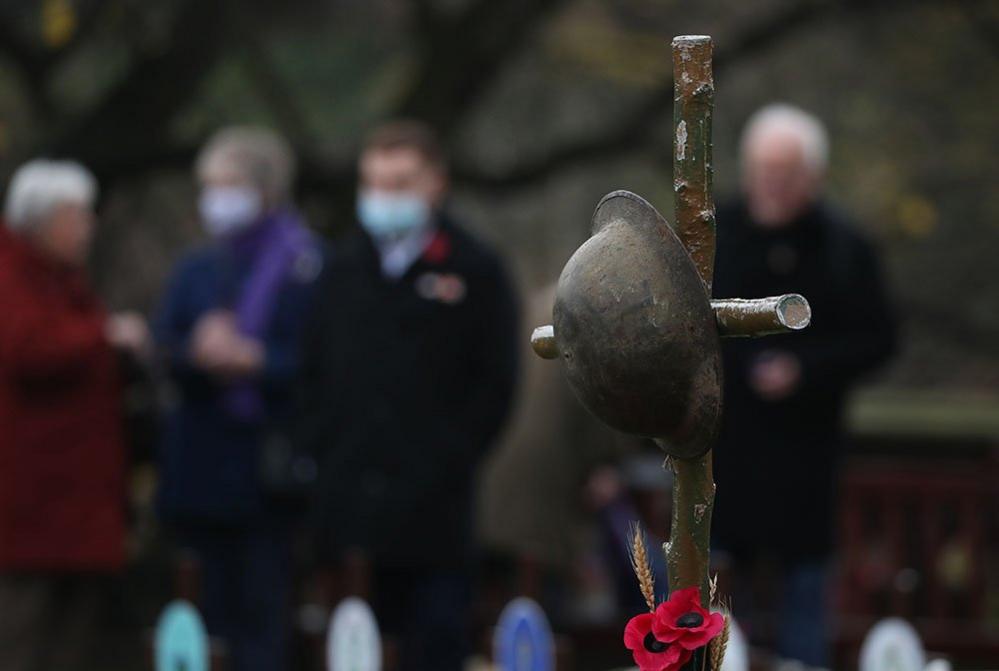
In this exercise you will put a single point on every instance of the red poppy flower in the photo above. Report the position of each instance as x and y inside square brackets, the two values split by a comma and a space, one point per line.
[683, 622]
[649, 653]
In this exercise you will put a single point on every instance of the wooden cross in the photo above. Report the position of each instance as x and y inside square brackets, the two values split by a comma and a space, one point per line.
[687, 551]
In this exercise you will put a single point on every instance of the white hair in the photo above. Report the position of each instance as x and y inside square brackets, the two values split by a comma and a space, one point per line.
[260, 153]
[40, 186]
[806, 127]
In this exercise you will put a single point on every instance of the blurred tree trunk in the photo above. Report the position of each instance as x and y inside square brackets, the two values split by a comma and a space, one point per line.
[129, 128]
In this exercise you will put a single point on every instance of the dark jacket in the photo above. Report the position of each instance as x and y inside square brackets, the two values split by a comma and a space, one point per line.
[209, 459]
[62, 457]
[776, 462]
[406, 384]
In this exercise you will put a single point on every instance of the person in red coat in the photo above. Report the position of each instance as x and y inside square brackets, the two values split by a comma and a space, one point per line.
[62, 491]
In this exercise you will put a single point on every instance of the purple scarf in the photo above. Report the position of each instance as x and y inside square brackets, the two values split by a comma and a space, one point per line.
[272, 247]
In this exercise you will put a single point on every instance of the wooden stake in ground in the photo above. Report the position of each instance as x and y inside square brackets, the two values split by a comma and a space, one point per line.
[693, 104]
[687, 552]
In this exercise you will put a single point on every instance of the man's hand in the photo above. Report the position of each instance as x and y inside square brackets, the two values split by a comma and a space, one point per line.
[775, 375]
[219, 348]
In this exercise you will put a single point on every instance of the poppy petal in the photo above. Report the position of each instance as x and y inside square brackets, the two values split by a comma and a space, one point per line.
[636, 630]
[670, 659]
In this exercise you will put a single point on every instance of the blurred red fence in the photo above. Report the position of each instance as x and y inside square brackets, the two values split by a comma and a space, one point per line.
[919, 539]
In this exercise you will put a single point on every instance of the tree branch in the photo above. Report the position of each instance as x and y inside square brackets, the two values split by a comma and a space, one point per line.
[461, 57]
[130, 123]
[428, 20]
[627, 135]
[984, 23]
[633, 130]
[34, 62]
[273, 89]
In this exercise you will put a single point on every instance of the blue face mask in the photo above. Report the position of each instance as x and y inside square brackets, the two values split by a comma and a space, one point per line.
[387, 215]
[226, 210]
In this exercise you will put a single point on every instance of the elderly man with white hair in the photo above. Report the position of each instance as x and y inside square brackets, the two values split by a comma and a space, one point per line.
[229, 328]
[782, 434]
[62, 522]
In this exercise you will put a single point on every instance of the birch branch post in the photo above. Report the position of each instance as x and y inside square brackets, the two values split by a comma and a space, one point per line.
[688, 550]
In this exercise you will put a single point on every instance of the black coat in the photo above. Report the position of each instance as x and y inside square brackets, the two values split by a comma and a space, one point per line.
[776, 462]
[406, 384]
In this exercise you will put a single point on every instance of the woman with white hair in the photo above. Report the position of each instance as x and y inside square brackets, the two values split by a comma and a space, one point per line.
[62, 522]
[229, 327]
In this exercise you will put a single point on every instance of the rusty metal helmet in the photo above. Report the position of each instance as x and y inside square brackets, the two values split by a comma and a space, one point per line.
[634, 327]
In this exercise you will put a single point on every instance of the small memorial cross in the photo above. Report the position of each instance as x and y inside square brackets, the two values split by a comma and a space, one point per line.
[638, 334]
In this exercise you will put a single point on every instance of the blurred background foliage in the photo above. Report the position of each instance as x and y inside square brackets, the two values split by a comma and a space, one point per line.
[545, 105]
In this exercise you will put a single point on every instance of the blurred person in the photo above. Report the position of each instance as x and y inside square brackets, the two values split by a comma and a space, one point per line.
[229, 328]
[62, 454]
[529, 515]
[637, 490]
[782, 432]
[409, 373]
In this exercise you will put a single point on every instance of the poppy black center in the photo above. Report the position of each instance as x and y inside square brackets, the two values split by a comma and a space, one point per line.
[653, 645]
[690, 620]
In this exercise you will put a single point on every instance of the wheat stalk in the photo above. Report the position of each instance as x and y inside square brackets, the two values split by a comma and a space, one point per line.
[717, 645]
[640, 563]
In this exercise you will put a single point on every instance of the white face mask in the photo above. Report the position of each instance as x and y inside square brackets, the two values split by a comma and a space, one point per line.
[388, 215]
[229, 209]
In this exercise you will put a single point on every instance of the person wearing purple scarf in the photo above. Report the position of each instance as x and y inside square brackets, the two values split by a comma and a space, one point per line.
[272, 245]
[228, 329]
